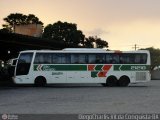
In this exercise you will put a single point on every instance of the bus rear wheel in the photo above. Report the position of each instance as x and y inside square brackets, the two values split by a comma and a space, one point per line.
[123, 81]
[111, 81]
[40, 81]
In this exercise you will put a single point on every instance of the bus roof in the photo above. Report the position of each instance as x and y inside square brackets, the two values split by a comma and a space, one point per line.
[85, 50]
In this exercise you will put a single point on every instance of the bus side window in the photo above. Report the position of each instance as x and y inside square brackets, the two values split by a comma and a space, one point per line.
[91, 59]
[56, 58]
[100, 58]
[67, 58]
[115, 59]
[140, 58]
[121, 60]
[43, 58]
[47, 58]
[38, 58]
[63, 58]
[143, 58]
[131, 58]
[108, 59]
[82, 58]
[74, 58]
[124, 59]
[137, 59]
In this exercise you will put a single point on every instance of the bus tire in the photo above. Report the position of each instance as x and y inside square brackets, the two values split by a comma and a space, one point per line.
[123, 81]
[40, 81]
[111, 81]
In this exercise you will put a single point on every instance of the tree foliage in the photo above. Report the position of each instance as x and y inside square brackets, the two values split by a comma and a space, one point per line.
[63, 31]
[99, 43]
[20, 19]
[155, 56]
[5, 30]
[89, 42]
[59, 31]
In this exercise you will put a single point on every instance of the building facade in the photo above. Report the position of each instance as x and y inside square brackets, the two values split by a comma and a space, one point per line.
[34, 30]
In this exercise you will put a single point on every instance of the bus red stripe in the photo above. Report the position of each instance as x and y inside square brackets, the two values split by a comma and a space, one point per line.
[106, 67]
[91, 67]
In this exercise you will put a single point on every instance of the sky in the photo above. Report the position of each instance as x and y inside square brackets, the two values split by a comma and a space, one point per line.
[122, 23]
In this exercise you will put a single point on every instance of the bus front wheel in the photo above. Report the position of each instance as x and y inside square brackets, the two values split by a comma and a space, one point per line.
[40, 81]
[111, 81]
[123, 81]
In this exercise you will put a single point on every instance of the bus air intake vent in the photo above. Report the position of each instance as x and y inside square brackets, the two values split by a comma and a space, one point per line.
[141, 76]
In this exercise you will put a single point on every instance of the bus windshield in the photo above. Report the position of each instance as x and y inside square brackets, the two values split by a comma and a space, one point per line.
[24, 63]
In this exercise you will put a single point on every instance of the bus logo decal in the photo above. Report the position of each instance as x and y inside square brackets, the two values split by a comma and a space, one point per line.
[102, 74]
[99, 70]
[39, 67]
[99, 67]
[99, 74]
[48, 68]
[91, 67]
[106, 67]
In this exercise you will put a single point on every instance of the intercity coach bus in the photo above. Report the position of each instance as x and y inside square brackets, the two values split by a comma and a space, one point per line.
[82, 65]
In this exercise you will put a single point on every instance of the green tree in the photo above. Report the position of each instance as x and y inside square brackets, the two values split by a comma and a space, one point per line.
[101, 43]
[63, 31]
[48, 31]
[32, 19]
[6, 29]
[90, 41]
[20, 19]
[155, 56]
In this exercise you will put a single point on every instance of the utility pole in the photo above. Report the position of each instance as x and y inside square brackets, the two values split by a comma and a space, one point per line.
[135, 47]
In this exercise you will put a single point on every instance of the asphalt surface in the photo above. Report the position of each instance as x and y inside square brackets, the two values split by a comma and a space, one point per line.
[80, 98]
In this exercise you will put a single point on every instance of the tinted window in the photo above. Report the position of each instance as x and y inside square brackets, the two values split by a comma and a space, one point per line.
[65, 58]
[90, 58]
[96, 58]
[42, 58]
[25, 58]
[108, 58]
[100, 58]
[115, 58]
[60, 58]
[79, 58]
[51, 58]
[83, 59]
[140, 58]
[126, 58]
[24, 63]
[133, 58]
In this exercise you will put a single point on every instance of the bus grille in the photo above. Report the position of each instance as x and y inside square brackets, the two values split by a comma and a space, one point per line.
[141, 76]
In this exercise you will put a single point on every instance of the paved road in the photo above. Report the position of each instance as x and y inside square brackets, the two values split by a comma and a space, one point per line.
[90, 98]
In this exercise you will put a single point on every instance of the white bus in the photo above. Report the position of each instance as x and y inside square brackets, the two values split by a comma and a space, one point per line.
[82, 65]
